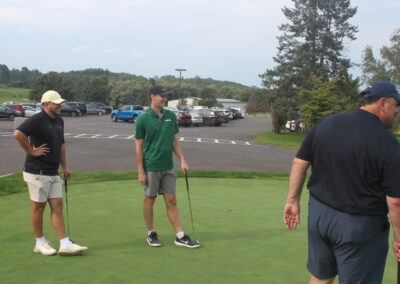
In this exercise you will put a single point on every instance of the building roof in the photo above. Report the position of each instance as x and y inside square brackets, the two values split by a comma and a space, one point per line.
[222, 100]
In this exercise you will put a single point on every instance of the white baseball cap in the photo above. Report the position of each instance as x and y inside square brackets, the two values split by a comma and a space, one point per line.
[52, 96]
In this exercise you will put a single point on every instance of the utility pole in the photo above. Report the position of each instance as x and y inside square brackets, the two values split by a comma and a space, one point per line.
[180, 70]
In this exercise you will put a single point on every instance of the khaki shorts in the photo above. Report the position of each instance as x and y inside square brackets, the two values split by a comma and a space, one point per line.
[160, 182]
[43, 188]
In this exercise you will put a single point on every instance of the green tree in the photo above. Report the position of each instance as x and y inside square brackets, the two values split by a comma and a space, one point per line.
[96, 90]
[51, 81]
[4, 74]
[326, 98]
[388, 68]
[311, 43]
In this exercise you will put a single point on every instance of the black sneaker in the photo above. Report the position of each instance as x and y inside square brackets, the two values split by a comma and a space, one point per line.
[152, 240]
[185, 241]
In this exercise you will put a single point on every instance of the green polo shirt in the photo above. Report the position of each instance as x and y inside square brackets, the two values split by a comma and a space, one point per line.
[158, 135]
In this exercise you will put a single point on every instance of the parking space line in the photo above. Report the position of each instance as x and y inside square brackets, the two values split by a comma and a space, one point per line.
[233, 142]
[96, 135]
[130, 137]
[181, 138]
[80, 135]
[5, 133]
[66, 134]
[247, 143]
[112, 136]
[216, 141]
[198, 139]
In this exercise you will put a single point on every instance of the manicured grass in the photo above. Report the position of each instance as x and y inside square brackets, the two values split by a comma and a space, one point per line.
[19, 95]
[291, 141]
[238, 221]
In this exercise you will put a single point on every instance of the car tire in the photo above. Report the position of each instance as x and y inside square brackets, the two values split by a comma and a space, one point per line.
[114, 118]
[73, 113]
[11, 117]
[100, 113]
[134, 118]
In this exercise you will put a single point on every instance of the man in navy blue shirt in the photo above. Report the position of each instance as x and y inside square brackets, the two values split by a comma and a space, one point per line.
[355, 183]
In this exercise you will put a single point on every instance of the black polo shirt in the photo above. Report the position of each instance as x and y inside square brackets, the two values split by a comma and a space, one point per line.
[355, 163]
[42, 129]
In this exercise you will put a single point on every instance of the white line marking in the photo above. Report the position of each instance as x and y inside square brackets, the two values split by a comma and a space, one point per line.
[247, 143]
[216, 141]
[233, 142]
[80, 135]
[181, 138]
[198, 139]
[96, 135]
[66, 134]
[130, 137]
[112, 136]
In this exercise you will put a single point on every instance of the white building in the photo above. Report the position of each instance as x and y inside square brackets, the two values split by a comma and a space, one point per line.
[185, 101]
[227, 103]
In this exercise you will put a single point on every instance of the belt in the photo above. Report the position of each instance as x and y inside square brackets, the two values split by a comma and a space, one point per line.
[42, 172]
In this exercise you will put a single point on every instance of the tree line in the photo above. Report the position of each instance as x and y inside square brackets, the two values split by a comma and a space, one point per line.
[117, 89]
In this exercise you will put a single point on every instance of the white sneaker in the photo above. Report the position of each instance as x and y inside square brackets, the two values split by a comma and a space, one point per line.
[44, 248]
[71, 249]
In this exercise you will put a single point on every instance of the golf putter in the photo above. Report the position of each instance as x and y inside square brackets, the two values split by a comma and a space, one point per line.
[190, 208]
[66, 202]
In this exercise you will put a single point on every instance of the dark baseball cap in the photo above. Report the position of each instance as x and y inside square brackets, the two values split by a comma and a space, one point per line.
[382, 89]
[159, 90]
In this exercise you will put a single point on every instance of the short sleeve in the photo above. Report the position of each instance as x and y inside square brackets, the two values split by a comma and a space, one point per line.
[305, 151]
[391, 175]
[140, 129]
[30, 126]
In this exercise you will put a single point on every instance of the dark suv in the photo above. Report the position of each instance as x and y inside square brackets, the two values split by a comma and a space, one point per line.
[7, 112]
[81, 106]
[17, 108]
[71, 111]
[99, 105]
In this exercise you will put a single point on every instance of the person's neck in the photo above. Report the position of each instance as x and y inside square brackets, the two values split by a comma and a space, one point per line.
[372, 109]
[156, 109]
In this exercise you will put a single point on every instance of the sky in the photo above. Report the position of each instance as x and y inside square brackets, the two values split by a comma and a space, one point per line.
[230, 40]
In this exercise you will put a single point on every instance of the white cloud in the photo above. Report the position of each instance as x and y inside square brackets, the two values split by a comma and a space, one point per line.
[82, 48]
[110, 50]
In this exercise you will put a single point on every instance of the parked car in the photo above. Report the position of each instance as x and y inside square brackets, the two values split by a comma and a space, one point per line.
[6, 112]
[184, 118]
[235, 113]
[91, 109]
[70, 111]
[30, 111]
[17, 108]
[37, 106]
[295, 125]
[211, 117]
[197, 118]
[81, 106]
[100, 105]
[126, 113]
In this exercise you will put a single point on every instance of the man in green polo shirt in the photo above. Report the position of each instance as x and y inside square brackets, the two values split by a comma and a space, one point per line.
[156, 139]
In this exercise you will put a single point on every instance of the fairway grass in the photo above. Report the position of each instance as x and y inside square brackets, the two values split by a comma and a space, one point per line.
[290, 141]
[9, 94]
[238, 222]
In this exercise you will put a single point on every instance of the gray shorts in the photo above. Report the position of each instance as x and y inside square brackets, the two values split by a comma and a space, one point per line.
[351, 246]
[160, 182]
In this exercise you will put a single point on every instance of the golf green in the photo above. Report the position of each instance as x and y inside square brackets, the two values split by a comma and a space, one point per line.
[238, 222]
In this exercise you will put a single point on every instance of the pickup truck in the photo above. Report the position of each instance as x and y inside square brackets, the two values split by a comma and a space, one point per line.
[126, 113]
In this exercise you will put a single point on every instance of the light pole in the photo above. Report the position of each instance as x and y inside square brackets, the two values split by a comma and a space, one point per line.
[180, 70]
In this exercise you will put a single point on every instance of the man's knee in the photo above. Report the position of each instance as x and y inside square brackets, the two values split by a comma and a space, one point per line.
[56, 204]
[149, 200]
[170, 200]
[38, 207]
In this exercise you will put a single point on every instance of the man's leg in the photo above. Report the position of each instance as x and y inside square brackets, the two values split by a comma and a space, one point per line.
[37, 218]
[315, 280]
[148, 211]
[57, 218]
[172, 211]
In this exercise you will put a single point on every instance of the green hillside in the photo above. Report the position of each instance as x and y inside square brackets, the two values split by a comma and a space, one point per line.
[8, 94]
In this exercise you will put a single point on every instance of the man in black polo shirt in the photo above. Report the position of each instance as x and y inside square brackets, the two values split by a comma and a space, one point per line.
[42, 138]
[355, 182]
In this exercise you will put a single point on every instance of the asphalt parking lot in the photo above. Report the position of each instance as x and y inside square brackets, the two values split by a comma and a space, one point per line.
[95, 143]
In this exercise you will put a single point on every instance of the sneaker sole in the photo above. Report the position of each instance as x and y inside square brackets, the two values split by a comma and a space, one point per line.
[185, 245]
[49, 254]
[71, 253]
[153, 245]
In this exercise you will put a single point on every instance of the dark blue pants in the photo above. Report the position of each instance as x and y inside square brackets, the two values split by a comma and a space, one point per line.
[351, 246]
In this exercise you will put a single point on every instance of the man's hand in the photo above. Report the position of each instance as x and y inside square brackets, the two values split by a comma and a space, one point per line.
[39, 151]
[291, 215]
[396, 250]
[67, 173]
[142, 177]
[185, 167]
